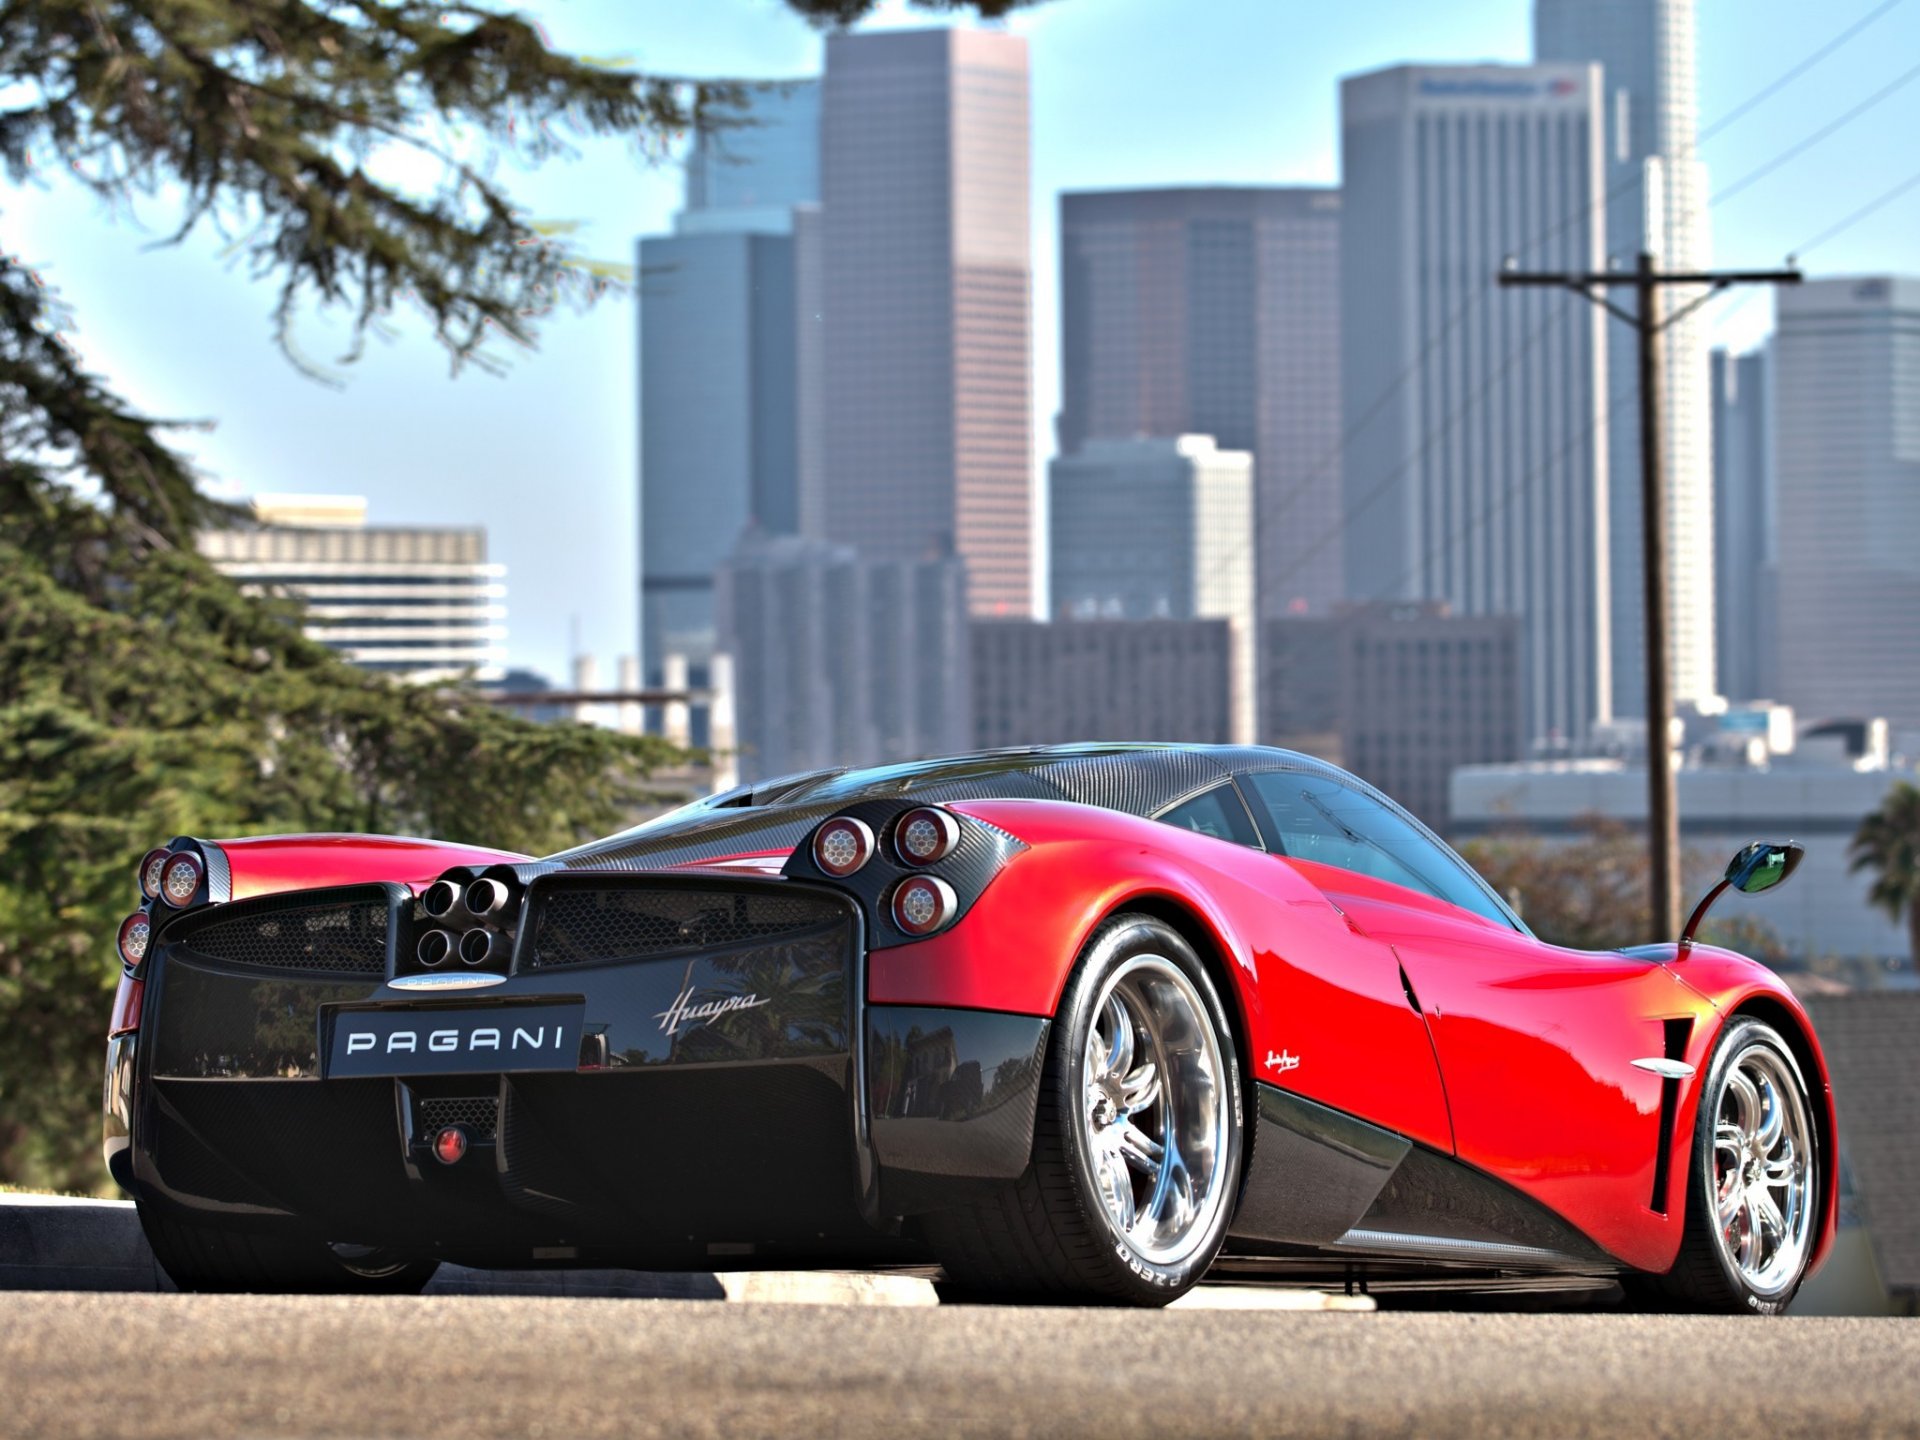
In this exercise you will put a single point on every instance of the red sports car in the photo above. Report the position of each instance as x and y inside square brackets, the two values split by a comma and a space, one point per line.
[1078, 1022]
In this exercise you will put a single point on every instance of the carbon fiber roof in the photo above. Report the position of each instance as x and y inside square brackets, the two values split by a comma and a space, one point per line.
[1134, 779]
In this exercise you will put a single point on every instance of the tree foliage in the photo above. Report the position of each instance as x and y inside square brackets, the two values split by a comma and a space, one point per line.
[141, 693]
[1887, 846]
[1591, 893]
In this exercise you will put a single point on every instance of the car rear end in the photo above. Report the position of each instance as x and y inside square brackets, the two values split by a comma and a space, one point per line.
[524, 1064]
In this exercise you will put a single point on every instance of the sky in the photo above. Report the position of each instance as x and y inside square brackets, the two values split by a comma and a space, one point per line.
[1125, 92]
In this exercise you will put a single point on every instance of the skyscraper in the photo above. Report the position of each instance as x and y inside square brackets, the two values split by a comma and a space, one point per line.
[1847, 457]
[1475, 467]
[1157, 530]
[1656, 200]
[1216, 311]
[719, 305]
[1745, 543]
[926, 276]
[762, 166]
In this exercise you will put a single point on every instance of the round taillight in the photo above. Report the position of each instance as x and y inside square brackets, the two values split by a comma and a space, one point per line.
[484, 897]
[150, 868]
[439, 898]
[924, 836]
[449, 1145]
[433, 948]
[180, 879]
[477, 946]
[842, 845]
[135, 931]
[923, 904]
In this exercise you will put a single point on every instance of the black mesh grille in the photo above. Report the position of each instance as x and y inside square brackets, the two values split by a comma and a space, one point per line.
[349, 937]
[579, 926]
[478, 1115]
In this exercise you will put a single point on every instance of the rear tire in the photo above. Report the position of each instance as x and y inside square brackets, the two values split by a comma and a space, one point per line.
[213, 1260]
[1136, 1145]
[1754, 1182]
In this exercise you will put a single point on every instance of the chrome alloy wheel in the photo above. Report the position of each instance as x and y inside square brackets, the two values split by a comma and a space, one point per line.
[1763, 1171]
[1154, 1118]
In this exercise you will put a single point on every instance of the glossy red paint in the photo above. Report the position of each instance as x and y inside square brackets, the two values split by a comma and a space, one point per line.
[269, 864]
[1535, 1042]
[1537, 1045]
[1323, 1010]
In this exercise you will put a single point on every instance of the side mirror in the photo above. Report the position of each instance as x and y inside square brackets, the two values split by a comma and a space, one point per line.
[1759, 866]
[1762, 866]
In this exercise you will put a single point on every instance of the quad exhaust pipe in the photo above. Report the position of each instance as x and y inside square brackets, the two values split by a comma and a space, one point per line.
[479, 946]
[434, 947]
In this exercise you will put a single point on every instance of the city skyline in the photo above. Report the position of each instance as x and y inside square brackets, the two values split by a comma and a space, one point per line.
[423, 451]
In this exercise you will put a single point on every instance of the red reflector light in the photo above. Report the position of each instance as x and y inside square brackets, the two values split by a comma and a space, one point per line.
[842, 845]
[150, 868]
[126, 1007]
[449, 1145]
[135, 933]
[923, 904]
[926, 835]
[180, 880]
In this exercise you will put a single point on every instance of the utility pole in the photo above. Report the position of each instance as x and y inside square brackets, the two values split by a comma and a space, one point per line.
[1647, 323]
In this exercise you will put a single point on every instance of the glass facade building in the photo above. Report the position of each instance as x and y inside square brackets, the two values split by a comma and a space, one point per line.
[1475, 464]
[926, 447]
[1656, 200]
[1216, 311]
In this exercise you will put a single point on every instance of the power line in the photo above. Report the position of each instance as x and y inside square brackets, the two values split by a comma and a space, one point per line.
[1325, 465]
[1887, 198]
[1793, 152]
[1794, 73]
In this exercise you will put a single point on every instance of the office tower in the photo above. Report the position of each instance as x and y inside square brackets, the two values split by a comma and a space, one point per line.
[719, 306]
[925, 280]
[1052, 683]
[1216, 311]
[1657, 201]
[1745, 544]
[755, 165]
[1847, 461]
[1158, 529]
[1402, 695]
[840, 659]
[1475, 468]
[416, 602]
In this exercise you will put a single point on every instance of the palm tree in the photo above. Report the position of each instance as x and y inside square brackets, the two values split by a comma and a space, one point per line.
[1888, 844]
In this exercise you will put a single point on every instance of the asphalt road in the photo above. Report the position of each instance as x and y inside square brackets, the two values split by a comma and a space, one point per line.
[166, 1365]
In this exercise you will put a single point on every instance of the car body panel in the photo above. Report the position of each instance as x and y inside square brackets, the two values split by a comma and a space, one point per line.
[272, 864]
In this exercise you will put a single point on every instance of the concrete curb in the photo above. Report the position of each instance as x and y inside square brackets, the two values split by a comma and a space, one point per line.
[50, 1242]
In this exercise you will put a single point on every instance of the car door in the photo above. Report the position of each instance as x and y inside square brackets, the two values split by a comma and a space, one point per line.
[1536, 1043]
[1342, 1030]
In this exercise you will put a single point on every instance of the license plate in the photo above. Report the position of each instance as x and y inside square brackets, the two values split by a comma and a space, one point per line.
[455, 1042]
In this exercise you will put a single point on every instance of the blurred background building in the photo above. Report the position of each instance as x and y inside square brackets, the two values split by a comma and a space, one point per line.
[1656, 200]
[416, 602]
[840, 658]
[926, 280]
[719, 314]
[1847, 451]
[1159, 530]
[1746, 542]
[1476, 457]
[1036, 683]
[1216, 311]
[1746, 775]
[1403, 694]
